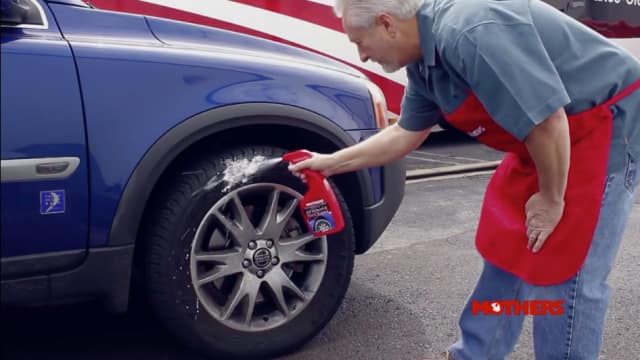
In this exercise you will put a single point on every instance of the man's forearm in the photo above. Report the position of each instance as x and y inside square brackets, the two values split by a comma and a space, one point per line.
[549, 146]
[388, 145]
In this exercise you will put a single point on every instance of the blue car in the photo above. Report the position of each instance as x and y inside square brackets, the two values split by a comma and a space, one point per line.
[140, 161]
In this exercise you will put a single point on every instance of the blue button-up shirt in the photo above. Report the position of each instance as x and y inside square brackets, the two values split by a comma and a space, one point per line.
[523, 59]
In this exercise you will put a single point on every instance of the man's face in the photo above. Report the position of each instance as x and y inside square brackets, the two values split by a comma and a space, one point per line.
[378, 43]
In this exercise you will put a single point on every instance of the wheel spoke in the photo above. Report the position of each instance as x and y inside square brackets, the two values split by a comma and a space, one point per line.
[288, 210]
[228, 225]
[273, 222]
[290, 250]
[250, 305]
[248, 286]
[217, 240]
[270, 213]
[304, 256]
[223, 257]
[283, 281]
[242, 229]
[245, 223]
[291, 245]
[278, 293]
[278, 281]
[219, 272]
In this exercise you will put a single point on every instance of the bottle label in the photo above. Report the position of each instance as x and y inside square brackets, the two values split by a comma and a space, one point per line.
[319, 216]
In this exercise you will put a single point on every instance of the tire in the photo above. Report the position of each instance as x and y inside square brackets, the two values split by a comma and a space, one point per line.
[177, 242]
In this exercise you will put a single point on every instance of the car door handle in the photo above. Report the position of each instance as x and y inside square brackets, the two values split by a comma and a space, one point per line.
[38, 169]
[52, 168]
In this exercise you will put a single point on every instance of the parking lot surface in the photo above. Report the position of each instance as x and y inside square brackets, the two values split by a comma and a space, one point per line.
[403, 302]
[449, 148]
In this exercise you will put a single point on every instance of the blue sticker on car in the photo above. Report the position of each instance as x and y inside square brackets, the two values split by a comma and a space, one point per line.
[52, 202]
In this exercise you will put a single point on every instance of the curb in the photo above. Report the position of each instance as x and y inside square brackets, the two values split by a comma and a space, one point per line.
[450, 170]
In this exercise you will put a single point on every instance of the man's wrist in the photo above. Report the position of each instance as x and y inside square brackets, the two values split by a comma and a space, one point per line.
[552, 198]
[336, 163]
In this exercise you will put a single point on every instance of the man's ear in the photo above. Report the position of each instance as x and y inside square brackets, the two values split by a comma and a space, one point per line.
[388, 23]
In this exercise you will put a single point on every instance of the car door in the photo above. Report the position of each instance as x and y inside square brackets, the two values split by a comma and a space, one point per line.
[44, 181]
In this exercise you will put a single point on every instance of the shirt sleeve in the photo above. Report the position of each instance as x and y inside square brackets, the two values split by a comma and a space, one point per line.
[510, 72]
[417, 111]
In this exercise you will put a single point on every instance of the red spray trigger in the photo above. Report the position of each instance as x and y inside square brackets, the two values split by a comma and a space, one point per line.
[297, 156]
[320, 207]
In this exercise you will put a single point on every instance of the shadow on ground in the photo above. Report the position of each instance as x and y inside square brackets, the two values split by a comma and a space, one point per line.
[88, 332]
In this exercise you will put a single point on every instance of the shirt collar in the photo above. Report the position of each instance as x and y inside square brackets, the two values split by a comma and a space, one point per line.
[425, 31]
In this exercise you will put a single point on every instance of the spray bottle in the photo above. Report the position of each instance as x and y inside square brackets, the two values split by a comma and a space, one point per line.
[320, 207]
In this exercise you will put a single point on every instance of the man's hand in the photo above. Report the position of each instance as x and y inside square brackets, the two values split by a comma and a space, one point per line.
[543, 215]
[324, 163]
[549, 146]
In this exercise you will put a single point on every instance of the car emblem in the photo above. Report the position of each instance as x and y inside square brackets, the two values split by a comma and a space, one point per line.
[262, 258]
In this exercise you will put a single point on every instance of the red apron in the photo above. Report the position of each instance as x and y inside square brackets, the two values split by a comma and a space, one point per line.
[501, 236]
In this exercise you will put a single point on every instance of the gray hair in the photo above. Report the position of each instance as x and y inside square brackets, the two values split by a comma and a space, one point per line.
[363, 12]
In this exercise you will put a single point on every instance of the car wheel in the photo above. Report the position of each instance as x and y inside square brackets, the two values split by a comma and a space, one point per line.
[230, 267]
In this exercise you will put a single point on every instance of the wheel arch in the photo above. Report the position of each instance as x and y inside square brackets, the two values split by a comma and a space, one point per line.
[294, 127]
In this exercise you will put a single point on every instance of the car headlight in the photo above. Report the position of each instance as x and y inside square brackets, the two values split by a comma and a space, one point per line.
[379, 104]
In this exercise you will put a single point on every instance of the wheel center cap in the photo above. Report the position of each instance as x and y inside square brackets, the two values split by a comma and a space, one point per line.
[262, 258]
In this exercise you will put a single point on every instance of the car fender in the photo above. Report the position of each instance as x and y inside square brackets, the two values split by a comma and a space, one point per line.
[149, 170]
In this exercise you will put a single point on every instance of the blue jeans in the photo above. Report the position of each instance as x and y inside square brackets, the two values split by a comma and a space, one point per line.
[577, 332]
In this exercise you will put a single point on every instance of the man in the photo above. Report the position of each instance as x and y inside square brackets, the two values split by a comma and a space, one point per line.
[559, 99]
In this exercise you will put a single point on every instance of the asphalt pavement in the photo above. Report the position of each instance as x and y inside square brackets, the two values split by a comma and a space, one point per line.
[403, 302]
[449, 148]
[405, 295]
[407, 292]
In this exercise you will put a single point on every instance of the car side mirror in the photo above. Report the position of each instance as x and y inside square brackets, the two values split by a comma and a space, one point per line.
[19, 12]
